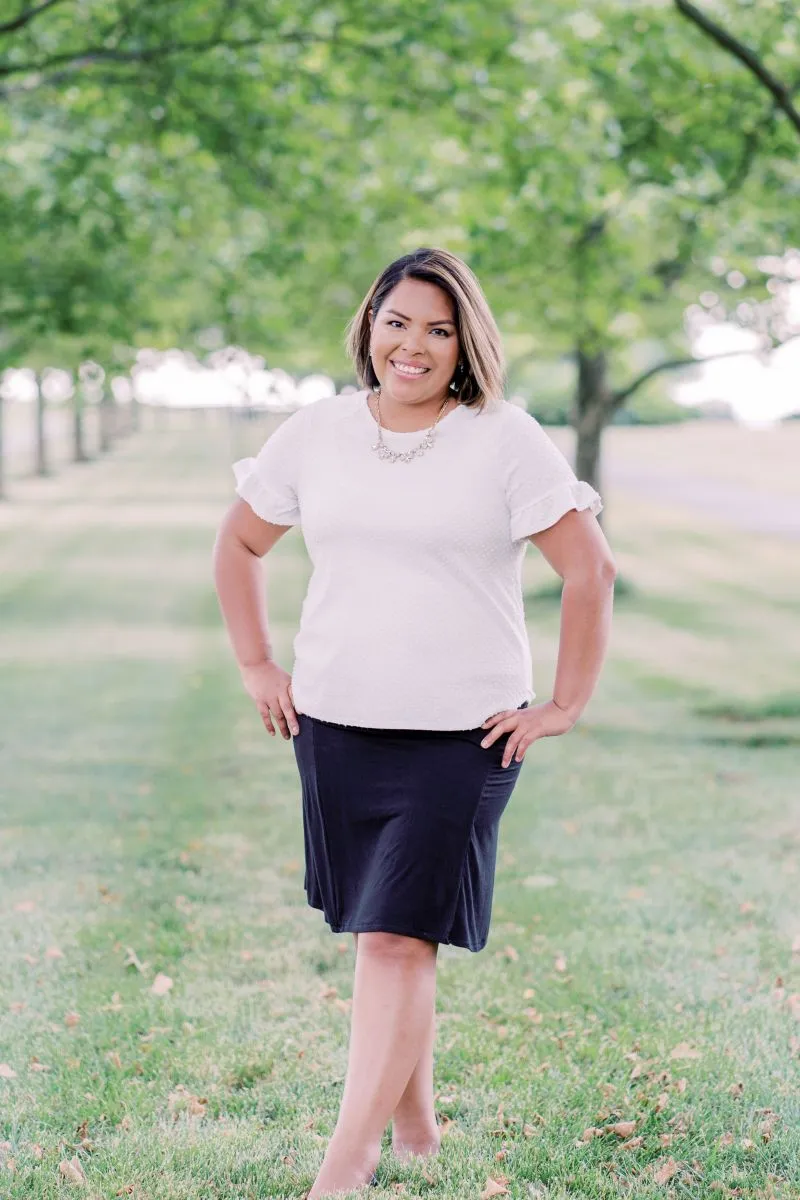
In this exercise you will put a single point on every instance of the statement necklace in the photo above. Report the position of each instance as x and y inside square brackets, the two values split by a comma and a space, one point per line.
[383, 451]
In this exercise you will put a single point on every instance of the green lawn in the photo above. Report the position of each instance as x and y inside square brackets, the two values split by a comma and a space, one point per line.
[643, 970]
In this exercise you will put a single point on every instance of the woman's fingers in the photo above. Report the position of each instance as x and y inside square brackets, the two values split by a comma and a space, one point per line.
[266, 717]
[289, 715]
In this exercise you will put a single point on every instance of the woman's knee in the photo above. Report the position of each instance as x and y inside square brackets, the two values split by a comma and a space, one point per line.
[396, 946]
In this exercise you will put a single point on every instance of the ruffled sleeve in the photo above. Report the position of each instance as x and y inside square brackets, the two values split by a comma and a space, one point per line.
[270, 481]
[540, 484]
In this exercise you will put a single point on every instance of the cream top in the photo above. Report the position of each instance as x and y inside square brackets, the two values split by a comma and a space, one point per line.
[413, 617]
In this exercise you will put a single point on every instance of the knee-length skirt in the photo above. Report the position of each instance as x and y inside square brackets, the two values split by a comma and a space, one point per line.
[401, 826]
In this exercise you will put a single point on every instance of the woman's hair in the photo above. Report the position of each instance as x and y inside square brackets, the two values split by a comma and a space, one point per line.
[482, 378]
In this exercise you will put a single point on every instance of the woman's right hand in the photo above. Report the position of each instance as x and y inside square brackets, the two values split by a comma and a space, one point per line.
[271, 688]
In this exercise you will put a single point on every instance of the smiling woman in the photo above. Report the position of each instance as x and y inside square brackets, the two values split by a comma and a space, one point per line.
[410, 697]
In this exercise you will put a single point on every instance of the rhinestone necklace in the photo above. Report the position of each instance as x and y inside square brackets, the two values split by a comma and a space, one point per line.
[383, 451]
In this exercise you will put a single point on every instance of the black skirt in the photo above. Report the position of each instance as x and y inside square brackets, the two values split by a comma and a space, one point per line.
[400, 828]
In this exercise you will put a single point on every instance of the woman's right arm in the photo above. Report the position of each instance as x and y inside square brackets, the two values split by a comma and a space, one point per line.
[242, 541]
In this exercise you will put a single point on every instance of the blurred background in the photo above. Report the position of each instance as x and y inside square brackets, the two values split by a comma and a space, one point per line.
[194, 198]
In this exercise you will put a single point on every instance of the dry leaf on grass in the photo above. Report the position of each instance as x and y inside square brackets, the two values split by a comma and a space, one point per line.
[37, 1065]
[161, 984]
[182, 1101]
[684, 1050]
[495, 1187]
[561, 963]
[511, 953]
[7, 1072]
[633, 1143]
[71, 1019]
[662, 1102]
[622, 1129]
[53, 952]
[25, 906]
[72, 1171]
[132, 960]
[663, 1171]
[725, 1139]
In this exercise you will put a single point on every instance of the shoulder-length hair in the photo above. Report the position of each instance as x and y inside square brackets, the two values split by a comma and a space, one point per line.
[481, 378]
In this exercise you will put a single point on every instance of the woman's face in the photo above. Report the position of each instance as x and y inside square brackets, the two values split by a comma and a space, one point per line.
[415, 328]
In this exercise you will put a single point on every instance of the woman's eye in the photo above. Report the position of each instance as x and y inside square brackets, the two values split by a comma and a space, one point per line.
[439, 329]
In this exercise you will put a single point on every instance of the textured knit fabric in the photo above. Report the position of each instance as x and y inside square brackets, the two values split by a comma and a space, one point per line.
[401, 828]
[413, 618]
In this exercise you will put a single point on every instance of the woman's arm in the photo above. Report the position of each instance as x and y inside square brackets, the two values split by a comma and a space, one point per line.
[242, 541]
[577, 550]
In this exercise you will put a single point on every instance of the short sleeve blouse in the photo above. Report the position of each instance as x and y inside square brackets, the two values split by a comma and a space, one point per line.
[414, 615]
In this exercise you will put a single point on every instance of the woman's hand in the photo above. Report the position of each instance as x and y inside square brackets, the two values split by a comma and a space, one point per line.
[271, 689]
[526, 725]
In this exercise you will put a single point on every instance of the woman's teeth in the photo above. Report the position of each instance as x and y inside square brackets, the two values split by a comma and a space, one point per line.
[403, 370]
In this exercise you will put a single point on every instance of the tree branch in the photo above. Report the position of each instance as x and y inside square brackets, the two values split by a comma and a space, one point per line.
[27, 16]
[745, 55]
[624, 394]
[79, 59]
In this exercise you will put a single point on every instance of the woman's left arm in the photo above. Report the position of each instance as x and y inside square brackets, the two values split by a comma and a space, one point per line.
[577, 550]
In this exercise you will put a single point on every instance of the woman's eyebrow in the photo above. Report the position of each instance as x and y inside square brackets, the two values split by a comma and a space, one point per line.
[446, 320]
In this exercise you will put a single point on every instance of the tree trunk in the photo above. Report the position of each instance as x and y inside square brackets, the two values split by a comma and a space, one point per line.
[105, 416]
[594, 407]
[41, 440]
[78, 440]
[2, 459]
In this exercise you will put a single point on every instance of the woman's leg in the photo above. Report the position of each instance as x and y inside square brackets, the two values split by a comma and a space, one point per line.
[414, 1128]
[393, 996]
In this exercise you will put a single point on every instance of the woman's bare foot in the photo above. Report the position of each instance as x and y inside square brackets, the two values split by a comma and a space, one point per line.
[407, 1143]
[345, 1167]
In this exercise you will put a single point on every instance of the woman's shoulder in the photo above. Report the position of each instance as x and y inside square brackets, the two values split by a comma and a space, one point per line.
[330, 408]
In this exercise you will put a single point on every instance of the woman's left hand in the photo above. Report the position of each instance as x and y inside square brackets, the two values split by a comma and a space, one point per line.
[526, 725]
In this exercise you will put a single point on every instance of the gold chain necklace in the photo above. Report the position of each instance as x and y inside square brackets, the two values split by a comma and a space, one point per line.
[383, 451]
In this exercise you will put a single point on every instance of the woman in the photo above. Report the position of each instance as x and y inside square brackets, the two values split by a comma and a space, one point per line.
[409, 701]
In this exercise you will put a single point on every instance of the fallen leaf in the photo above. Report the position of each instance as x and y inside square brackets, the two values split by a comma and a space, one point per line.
[663, 1172]
[736, 1089]
[666, 1139]
[680, 1084]
[662, 1102]
[511, 953]
[591, 1132]
[725, 1139]
[71, 1019]
[328, 992]
[7, 1072]
[747, 906]
[36, 1065]
[622, 1129]
[114, 1059]
[528, 994]
[495, 1187]
[73, 1171]
[25, 906]
[684, 1050]
[161, 984]
[561, 963]
[635, 893]
[53, 952]
[132, 960]
[632, 1143]
[747, 1144]
[30, 959]
[571, 827]
[532, 1015]
[17, 1006]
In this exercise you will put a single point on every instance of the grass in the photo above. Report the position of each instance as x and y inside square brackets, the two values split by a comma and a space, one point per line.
[644, 961]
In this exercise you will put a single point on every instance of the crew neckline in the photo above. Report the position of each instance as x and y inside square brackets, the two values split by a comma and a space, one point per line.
[401, 433]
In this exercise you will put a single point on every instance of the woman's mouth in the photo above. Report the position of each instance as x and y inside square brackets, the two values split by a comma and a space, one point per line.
[407, 370]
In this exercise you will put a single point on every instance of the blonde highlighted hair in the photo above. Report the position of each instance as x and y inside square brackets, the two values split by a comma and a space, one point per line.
[481, 379]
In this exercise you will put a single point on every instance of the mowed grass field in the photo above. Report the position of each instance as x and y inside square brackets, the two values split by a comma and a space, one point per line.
[174, 1017]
